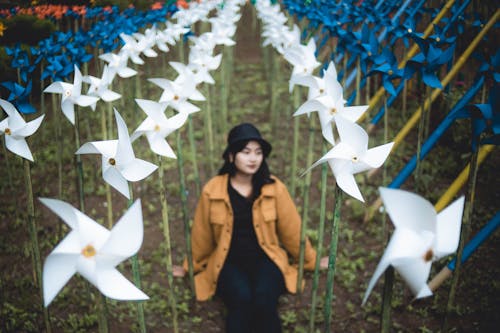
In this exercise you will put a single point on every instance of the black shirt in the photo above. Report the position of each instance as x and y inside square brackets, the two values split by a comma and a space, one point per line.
[244, 246]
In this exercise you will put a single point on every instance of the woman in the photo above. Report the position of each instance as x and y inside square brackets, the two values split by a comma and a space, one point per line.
[244, 225]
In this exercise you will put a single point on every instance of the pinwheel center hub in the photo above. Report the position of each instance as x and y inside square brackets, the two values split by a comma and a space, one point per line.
[355, 159]
[321, 91]
[67, 93]
[7, 131]
[157, 128]
[410, 31]
[369, 53]
[176, 97]
[88, 251]
[428, 255]
[333, 111]
[438, 39]
[390, 72]
[112, 161]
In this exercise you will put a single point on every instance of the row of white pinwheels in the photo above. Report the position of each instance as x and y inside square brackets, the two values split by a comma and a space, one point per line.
[89, 248]
[431, 236]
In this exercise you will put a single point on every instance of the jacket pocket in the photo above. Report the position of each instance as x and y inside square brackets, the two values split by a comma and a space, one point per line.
[218, 217]
[270, 216]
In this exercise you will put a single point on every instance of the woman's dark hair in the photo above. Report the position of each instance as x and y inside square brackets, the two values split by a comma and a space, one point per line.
[259, 179]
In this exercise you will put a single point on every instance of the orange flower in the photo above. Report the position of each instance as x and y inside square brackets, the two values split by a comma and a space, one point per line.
[182, 3]
[2, 29]
[157, 5]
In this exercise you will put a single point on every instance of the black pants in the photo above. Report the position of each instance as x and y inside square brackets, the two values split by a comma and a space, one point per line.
[250, 291]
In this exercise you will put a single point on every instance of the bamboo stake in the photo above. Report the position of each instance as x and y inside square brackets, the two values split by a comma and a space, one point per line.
[319, 246]
[358, 81]
[224, 90]
[464, 234]
[137, 276]
[332, 257]
[101, 305]
[33, 232]
[185, 212]
[385, 325]
[296, 130]
[209, 142]
[305, 212]
[7, 165]
[168, 246]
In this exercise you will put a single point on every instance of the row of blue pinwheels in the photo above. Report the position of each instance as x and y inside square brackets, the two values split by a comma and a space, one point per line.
[56, 55]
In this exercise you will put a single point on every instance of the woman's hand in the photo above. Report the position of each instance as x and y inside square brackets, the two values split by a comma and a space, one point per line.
[323, 263]
[178, 271]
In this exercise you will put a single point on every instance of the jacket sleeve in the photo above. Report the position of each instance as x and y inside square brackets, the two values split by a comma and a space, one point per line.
[288, 227]
[202, 239]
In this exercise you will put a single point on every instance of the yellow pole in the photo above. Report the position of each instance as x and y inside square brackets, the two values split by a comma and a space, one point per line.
[381, 91]
[461, 179]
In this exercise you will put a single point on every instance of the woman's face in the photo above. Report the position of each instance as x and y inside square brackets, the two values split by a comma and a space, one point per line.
[248, 160]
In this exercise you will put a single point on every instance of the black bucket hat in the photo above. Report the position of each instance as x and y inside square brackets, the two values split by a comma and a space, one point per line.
[246, 132]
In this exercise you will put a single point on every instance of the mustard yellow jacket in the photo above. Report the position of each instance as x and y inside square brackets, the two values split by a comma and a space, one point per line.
[276, 223]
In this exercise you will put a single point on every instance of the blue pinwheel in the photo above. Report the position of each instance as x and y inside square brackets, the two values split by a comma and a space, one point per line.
[485, 119]
[489, 68]
[405, 31]
[439, 37]
[20, 61]
[428, 61]
[59, 67]
[389, 70]
[19, 96]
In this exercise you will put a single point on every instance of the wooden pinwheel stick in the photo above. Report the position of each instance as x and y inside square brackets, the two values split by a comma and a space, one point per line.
[464, 234]
[305, 213]
[185, 211]
[319, 246]
[136, 274]
[332, 257]
[35, 248]
[168, 245]
[469, 249]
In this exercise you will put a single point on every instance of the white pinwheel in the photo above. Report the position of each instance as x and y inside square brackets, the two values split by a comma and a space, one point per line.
[157, 126]
[16, 130]
[177, 93]
[330, 105]
[192, 73]
[303, 59]
[119, 164]
[131, 48]
[175, 31]
[117, 64]
[99, 87]
[420, 237]
[351, 156]
[223, 30]
[71, 95]
[201, 63]
[94, 252]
